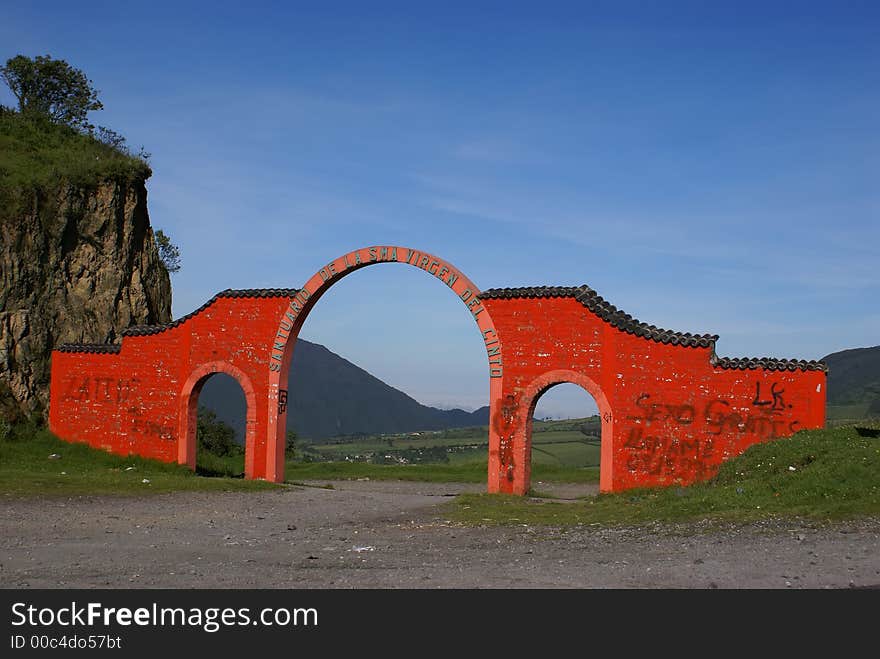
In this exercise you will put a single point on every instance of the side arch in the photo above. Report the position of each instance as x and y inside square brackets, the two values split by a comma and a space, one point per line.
[528, 402]
[189, 402]
[291, 321]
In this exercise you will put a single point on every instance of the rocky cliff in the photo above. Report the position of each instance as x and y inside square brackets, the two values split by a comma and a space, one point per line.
[78, 264]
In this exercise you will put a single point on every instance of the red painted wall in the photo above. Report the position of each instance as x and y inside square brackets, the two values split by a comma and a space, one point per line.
[135, 401]
[668, 415]
[671, 412]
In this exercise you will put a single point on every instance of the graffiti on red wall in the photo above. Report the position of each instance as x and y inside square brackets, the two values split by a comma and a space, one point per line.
[117, 391]
[100, 390]
[662, 455]
[766, 416]
[143, 426]
[503, 424]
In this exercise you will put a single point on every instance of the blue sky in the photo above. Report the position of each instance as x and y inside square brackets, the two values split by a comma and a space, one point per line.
[707, 167]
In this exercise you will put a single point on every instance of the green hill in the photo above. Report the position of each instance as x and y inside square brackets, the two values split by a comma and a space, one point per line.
[854, 384]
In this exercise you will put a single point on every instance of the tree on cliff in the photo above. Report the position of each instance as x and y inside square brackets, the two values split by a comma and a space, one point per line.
[51, 88]
[169, 253]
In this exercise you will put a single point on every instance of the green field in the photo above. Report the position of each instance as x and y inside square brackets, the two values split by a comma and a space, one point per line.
[838, 415]
[554, 444]
[561, 452]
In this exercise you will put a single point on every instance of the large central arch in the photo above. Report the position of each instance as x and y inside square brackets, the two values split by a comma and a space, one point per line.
[291, 321]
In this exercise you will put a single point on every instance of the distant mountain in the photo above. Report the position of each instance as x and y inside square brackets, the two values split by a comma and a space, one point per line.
[854, 379]
[853, 376]
[330, 396]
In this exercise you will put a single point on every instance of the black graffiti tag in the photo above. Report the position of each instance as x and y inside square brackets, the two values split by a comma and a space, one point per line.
[775, 405]
[681, 414]
[101, 390]
[764, 423]
[660, 456]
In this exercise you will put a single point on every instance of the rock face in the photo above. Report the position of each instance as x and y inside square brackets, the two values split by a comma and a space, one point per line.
[77, 265]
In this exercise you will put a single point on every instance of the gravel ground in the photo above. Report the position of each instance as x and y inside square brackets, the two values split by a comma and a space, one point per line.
[379, 534]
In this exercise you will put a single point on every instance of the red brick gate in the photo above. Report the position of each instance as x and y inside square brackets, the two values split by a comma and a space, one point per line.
[671, 409]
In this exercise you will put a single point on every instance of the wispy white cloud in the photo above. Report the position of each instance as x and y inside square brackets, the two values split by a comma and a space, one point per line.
[824, 258]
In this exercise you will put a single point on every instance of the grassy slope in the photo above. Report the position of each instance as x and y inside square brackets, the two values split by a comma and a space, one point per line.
[26, 470]
[35, 153]
[823, 474]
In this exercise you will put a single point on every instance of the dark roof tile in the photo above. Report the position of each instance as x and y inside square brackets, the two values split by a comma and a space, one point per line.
[105, 348]
[768, 363]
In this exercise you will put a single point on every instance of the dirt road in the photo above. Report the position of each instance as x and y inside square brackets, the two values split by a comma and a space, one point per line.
[394, 535]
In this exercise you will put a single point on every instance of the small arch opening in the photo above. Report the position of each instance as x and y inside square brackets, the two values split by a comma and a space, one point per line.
[566, 436]
[221, 426]
[226, 421]
[593, 396]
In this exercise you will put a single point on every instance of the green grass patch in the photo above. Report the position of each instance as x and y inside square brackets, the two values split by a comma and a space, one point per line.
[36, 153]
[820, 474]
[563, 474]
[568, 453]
[228, 466]
[838, 415]
[27, 470]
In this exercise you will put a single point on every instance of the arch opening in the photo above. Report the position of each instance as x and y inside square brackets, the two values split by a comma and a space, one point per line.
[565, 439]
[221, 427]
[291, 322]
[228, 435]
[591, 436]
[414, 392]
